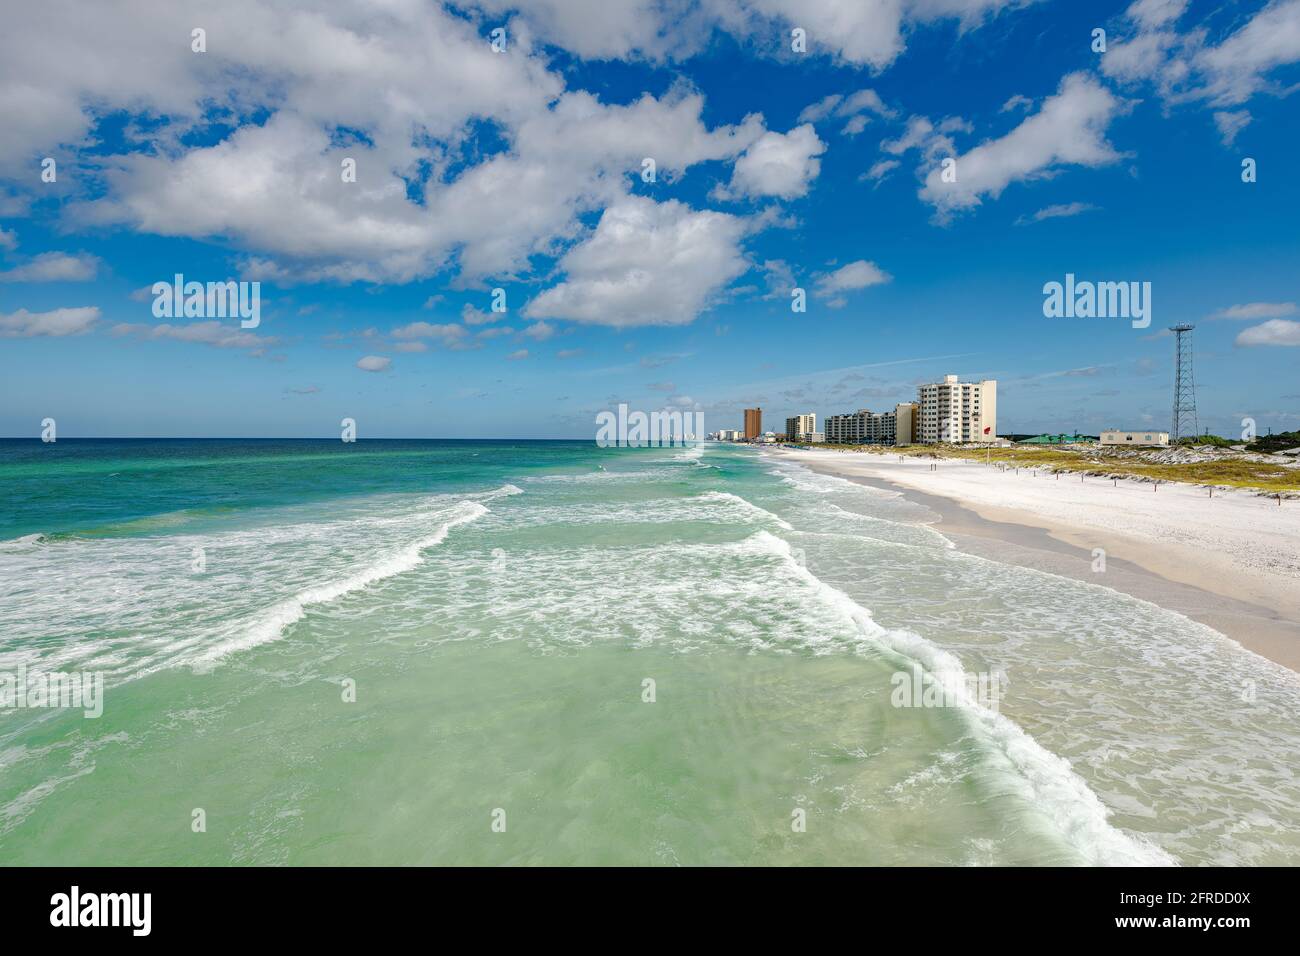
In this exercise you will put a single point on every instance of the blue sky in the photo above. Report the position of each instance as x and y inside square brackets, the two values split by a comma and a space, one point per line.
[521, 170]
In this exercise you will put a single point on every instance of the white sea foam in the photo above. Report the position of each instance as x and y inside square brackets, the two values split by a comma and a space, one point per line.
[139, 604]
[271, 623]
[660, 591]
[896, 519]
[1047, 780]
[801, 476]
[1043, 778]
[21, 806]
[588, 476]
[505, 491]
[749, 507]
[580, 585]
[717, 507]
[805, 479]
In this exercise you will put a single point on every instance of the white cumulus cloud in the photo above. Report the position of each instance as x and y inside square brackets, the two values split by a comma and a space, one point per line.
[856, 275]
[1057, 211]
[1272, 332]
[777, 164]
[647, 263]
[55, 323]
[1069, 129]
[448, 334]
[1253, 311]
[54, 267]
[217, 334]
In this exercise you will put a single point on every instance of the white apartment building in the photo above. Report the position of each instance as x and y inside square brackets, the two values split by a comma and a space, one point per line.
[957, 412]
[1113, 436]
[865, 427]
[848, 428]
[800, 427]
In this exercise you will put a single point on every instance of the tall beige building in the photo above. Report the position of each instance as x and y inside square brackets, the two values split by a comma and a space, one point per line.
[801, 427]
[957, 412]
[753, 422]
[906, 418]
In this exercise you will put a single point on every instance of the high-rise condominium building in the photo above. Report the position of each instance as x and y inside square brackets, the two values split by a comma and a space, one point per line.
[801, 427]
[957, 412]
[865, 427]
[753, 422]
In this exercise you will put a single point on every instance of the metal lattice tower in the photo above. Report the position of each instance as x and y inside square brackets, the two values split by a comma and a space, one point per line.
[1184, 387]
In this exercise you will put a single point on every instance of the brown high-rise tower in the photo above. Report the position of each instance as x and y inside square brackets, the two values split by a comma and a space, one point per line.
[753, 422]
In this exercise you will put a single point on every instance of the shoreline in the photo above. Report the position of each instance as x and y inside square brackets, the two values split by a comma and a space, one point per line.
[1256, 610]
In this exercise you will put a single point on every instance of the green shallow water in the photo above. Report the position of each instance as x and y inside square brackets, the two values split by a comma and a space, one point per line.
[498, 607]
[585, 770]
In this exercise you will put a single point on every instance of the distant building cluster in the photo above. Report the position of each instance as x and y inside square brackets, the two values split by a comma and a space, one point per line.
[753, 430]
[950, 411]
[946, 412]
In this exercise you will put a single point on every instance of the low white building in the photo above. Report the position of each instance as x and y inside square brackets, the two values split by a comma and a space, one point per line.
[1113, 436]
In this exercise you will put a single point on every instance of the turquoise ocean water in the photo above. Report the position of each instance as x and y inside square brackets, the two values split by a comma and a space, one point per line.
[502, 611]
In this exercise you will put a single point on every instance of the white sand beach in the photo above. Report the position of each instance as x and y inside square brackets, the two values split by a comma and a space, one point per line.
[1235, 555]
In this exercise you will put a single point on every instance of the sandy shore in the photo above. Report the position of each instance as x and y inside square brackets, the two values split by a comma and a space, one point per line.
[1231, 562]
